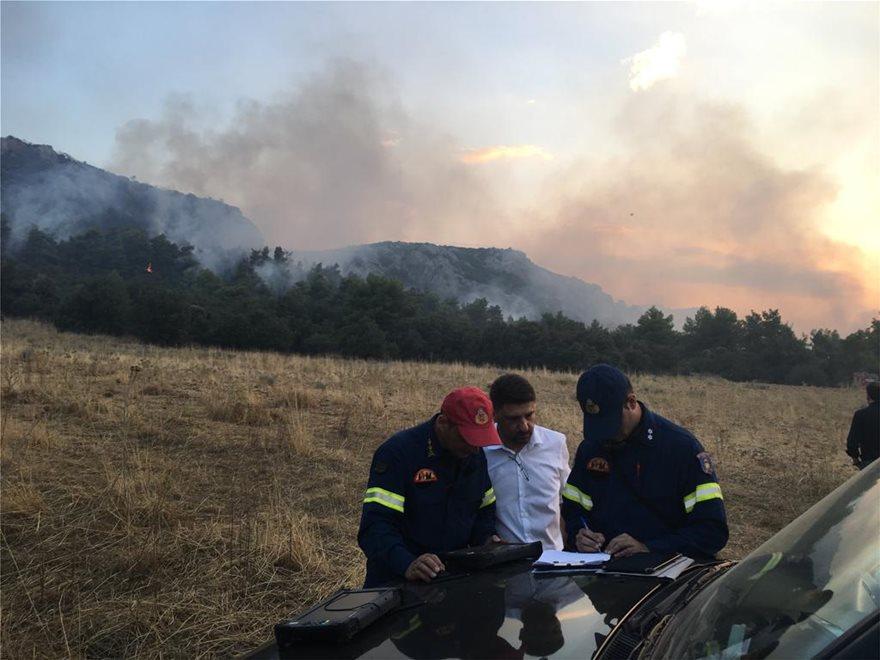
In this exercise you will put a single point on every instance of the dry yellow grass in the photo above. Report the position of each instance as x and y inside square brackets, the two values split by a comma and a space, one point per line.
[180, 501]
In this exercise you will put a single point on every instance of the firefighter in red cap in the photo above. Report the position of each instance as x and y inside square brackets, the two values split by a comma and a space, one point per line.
[429, 492]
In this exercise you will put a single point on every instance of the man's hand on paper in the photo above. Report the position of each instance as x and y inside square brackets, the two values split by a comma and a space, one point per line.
[624, 546]
[424, 568]
[589, 541]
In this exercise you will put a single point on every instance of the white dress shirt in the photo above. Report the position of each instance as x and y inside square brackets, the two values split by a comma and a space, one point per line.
[528, 486]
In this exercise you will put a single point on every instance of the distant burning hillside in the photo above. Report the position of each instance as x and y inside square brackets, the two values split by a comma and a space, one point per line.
[64, 197]
[505, 277]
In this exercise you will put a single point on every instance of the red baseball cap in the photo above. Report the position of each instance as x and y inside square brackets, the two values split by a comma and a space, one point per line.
[471, 411]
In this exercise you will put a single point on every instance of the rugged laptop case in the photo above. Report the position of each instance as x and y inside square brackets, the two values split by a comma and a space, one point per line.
[339, 618]
[484, 556]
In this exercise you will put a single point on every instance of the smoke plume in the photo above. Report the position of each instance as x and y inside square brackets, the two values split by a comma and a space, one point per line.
[699, 215]
[692, 213]
[334, 162]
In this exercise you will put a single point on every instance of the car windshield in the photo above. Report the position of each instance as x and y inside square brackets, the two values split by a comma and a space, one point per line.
[796, 593]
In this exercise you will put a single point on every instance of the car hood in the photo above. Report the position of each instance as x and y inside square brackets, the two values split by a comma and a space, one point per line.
[506, 612]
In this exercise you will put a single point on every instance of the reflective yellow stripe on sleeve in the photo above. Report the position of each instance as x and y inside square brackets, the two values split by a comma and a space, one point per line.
[488, 498]
[385, 498]
[577, 496]
[709, 491]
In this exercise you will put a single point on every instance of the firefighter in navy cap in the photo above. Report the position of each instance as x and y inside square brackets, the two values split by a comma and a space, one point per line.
[429, 492]
[639, 482]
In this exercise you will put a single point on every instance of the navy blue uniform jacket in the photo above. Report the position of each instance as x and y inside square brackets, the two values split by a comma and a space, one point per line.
[664, 466]
[419, 499]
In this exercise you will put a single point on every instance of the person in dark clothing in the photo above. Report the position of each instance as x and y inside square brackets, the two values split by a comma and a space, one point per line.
[863, 441]
[429, 492]
[639, 483]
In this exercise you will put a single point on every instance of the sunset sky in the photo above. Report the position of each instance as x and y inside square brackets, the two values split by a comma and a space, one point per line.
[679, 154]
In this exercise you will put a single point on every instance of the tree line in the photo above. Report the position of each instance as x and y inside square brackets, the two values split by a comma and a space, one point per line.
[124, 282]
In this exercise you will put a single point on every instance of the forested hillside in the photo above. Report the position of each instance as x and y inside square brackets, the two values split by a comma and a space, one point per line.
[504, 277]
[65, 197]
[123, 282]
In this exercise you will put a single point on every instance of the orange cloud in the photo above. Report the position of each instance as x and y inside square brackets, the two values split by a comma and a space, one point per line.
[703, 216]
[504, 152]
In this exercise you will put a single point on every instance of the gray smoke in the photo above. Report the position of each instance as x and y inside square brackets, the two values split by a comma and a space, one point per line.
[335, 161]
[64, 197]
[506, 278]
[693, 212]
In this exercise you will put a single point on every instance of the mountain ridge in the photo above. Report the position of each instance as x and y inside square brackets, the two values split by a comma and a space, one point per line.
[63, 196]
[504, 276]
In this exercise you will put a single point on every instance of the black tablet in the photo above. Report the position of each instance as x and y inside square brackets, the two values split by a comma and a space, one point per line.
[339, 618]
[484, 556]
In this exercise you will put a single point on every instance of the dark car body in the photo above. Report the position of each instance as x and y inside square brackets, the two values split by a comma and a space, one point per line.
[496, 613]
[812, 590]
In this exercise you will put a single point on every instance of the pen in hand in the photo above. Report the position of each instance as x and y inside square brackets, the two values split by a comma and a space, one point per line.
[595, 538]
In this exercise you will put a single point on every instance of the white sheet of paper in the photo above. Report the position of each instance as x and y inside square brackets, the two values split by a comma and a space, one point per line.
[562, 558]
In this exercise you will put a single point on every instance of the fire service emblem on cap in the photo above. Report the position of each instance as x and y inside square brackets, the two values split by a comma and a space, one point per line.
[481, 418]
[591, 407]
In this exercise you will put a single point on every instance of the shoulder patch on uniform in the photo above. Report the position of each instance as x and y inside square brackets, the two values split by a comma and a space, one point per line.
[706, 462]
[380, 468]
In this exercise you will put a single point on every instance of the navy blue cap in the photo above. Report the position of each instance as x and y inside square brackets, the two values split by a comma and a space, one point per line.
[602, 391]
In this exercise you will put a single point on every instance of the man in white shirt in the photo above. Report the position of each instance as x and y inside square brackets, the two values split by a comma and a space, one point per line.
[528, 470]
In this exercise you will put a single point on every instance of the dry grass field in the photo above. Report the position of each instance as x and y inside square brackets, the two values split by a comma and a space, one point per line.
[180, 501]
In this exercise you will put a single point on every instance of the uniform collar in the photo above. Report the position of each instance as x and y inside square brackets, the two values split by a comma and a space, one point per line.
[644, 432]
[433, 447]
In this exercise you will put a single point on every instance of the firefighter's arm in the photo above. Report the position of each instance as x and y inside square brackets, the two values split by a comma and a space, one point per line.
[484, 523]
[381, 531]
[705, 530]
[576, 501]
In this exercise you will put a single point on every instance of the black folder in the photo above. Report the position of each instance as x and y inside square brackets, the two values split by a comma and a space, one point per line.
[641, 562]
[484, 556]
